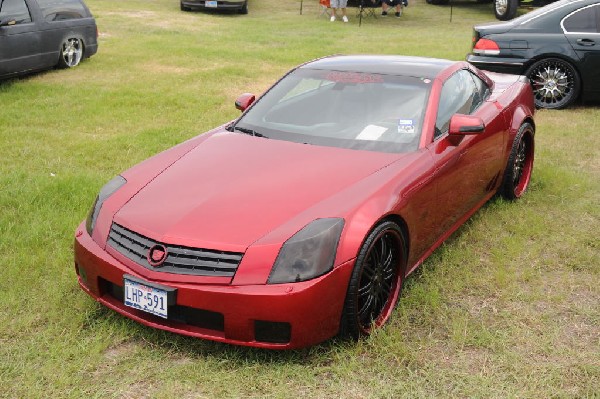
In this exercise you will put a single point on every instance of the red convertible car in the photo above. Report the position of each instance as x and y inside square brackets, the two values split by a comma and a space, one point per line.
[300, 220]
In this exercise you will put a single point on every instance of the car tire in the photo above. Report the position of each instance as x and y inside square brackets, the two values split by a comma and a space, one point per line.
[520, 164]
[438, 2]
[555, 83]
[505, 9]
[376, 281]
[71, 52]
[244, 9]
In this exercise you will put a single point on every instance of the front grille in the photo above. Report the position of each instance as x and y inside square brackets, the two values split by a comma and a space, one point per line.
[179, 260]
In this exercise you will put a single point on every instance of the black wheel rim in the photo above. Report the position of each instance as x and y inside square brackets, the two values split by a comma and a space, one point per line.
[522, 167]
[553, 83]
[379, 280]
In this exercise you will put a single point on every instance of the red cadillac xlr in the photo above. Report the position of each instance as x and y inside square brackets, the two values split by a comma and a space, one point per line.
[300, 220]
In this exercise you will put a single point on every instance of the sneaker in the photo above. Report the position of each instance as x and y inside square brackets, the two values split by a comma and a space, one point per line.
[384, 13]
[332, 19]
[345, 18]
[397, 15]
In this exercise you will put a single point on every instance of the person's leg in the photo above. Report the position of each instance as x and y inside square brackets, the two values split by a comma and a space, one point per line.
[384, 8]
[398, 10]
[343, 5]
[334, 6]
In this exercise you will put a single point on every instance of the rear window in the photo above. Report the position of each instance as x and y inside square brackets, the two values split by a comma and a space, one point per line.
[60, 10]
[584, 20]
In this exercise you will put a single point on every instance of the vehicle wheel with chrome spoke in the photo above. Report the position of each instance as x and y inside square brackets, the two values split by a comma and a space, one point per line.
[505, 9]
[520, 164]
[71, 53]
[555, 83]
[376, 280]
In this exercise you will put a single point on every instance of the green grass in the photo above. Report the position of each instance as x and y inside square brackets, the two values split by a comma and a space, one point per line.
[508, 307]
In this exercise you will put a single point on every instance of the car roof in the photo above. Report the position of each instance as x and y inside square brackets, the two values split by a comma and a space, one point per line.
[382, 64]
[551, 11]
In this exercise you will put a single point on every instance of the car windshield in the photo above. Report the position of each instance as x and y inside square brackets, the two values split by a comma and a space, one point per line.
[354, 110]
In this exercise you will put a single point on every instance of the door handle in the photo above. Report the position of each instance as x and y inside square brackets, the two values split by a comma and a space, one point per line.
[586, 42]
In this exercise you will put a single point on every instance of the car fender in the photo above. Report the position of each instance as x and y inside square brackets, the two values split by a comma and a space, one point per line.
[522, 112]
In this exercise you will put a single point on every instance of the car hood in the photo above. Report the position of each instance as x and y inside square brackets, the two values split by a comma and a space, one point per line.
[233, 189]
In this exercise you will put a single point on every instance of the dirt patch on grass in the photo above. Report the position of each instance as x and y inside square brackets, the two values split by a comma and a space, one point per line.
[119, 351]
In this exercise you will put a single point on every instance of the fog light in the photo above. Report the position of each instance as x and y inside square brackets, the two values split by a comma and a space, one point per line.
[272, 331]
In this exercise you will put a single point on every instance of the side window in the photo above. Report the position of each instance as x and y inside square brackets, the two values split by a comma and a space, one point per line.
[14, 12]
[60, 10]
[459, 95]
[584, 20]
[482, 91]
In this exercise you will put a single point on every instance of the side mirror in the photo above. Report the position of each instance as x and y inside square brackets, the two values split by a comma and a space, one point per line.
[244, 101]
[461, 125]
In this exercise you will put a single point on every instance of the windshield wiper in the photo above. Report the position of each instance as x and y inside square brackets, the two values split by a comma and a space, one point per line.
[249, 131]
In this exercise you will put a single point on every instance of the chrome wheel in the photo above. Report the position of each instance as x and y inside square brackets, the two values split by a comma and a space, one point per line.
[555, 83]
[501, 6]
[71, 53]
[505, 9]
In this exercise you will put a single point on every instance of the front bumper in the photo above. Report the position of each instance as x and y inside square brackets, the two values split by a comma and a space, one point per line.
[514, 66]
[279, 316]
[221, 5]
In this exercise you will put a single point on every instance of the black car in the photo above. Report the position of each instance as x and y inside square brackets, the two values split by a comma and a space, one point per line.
[557, 47]
[241, 6]
[41, 34]
[503, 9]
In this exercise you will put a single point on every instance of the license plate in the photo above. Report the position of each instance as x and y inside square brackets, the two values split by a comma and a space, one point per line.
[143, 297]
[211, 4]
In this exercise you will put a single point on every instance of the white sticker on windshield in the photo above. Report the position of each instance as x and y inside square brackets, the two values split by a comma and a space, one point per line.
[406, 126]
[371, 132]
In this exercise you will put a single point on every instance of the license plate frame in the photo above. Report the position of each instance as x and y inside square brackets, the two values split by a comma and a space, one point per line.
[210, 4]
[148, 297]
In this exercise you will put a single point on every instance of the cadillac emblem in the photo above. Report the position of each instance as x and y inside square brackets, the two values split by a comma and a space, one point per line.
[157, 255]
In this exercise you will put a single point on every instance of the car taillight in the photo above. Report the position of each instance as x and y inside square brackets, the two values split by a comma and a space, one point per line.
[487, 47]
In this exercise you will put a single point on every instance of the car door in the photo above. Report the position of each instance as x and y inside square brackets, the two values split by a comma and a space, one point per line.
[468, 168]
[19, 38]
[582, 29]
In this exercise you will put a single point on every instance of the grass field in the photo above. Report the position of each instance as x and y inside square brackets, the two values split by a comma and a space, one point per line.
[508, 307]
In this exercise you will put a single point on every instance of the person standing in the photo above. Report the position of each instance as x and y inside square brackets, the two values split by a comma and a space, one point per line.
[335, 5]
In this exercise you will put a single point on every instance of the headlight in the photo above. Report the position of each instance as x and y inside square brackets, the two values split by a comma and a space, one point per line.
[309, 253]
[105, 192]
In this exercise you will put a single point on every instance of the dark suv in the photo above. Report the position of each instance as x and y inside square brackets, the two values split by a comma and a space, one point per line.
[41, 34]
[241, 6]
